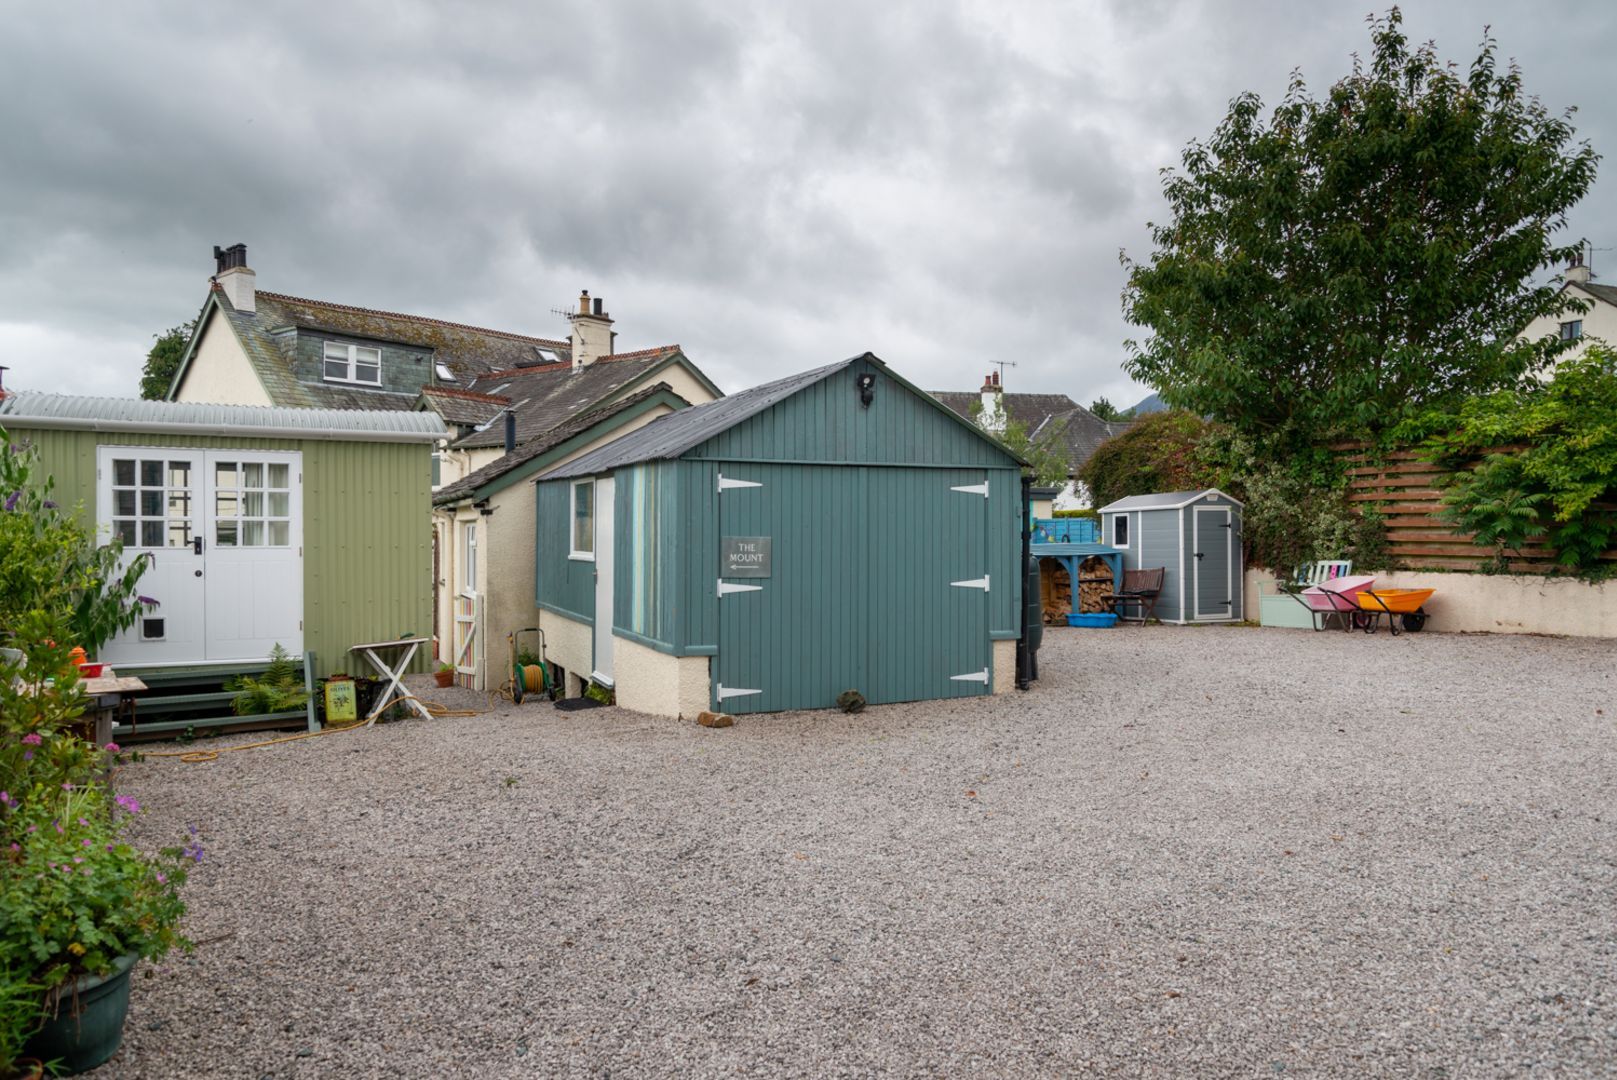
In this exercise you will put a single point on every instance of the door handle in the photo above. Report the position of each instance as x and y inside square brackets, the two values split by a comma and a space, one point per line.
[199, 573]
[196, 547]
[1199, 554]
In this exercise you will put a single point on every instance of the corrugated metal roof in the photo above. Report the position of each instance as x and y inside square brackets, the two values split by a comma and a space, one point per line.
[33, 409]
[670, 436]
[1167, 500]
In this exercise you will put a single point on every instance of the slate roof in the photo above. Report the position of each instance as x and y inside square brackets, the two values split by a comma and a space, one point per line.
[1080, 429]
[463, 407]
[1608, 293]
[577, 425]
[543, 397]
[135, 414]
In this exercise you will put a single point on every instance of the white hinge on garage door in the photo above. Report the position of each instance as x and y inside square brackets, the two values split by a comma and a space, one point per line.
[974, 583]
[973, 489]
[725, 692]
[726, 588]
[726, 483]
[971, 676]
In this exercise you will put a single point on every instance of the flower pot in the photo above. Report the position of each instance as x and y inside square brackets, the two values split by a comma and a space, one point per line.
[444, 678]
[89, 1038]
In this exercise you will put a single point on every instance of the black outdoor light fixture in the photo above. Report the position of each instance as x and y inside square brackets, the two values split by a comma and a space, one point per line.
[867, 388]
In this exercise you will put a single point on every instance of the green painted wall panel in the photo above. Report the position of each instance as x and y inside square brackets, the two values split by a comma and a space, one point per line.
[564, 585]
[826, 423]
[367, 563]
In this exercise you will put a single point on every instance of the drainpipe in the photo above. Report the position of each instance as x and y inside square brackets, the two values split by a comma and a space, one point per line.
[510, 431]
[1024, 655]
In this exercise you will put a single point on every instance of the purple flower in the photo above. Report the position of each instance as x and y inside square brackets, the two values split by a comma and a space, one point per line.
[67, 785]
[47, 504]
[28, 755]
[33, 738]
[162, 878]
[112, 748]
[87, 842]
[11, 503]
[112, 847]
[84, 822]
[16, 846]
[128, 803]
[6, 799]
[148, 602]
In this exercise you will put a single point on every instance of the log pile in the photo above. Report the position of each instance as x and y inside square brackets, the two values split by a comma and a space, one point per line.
[1094, 582]
[1055, 592]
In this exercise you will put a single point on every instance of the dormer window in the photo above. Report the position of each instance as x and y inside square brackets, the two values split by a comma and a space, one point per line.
[353, 364]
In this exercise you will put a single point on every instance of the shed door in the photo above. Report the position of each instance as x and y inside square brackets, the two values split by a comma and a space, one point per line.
[876, 580]
[223, 530]
[1214, 578]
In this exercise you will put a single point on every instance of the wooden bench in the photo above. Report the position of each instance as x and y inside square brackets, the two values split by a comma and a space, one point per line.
[1140, 588]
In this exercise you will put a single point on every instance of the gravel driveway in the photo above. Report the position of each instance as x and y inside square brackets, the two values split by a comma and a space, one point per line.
[1187, 852]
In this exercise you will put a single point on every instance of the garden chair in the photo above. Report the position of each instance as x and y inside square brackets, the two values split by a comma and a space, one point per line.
[1140, 588]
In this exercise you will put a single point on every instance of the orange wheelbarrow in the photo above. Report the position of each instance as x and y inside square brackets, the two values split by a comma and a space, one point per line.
[1400, 606]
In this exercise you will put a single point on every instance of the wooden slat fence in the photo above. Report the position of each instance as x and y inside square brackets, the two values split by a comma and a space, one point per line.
[1404, 488]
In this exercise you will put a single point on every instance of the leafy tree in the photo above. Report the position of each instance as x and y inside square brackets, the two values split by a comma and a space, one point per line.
[1047, 455]
[1105, 410]
[1159, 453]
[163, 361]
[1539, 463]
[1330, 271]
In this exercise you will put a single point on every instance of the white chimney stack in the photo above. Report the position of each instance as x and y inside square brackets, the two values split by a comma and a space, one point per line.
[993, 414]
[238, 282]
[592, 332]
[1577, 270]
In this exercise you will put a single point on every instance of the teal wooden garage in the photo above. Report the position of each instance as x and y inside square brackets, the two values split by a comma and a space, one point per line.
[836, 530]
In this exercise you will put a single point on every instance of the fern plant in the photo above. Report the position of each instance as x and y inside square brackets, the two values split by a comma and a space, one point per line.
[279, 690]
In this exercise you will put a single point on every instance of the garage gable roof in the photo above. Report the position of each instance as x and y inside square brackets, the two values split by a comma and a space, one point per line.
[670, 436]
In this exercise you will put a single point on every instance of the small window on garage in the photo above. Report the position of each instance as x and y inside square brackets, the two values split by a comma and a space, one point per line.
[583, 543]
[468, 559]
[1120, 531]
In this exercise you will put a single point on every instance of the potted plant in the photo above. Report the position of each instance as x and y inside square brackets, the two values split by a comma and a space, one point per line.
[445, 675]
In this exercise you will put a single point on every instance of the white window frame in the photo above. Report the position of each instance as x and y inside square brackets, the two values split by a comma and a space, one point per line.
[348, 354]
[1128, 531]
[573, 551]
[468, 558]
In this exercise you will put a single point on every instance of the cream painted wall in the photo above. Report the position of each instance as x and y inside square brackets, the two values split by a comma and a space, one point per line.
[1599, 324]
[653, 682]
[1495, 603]
[570, 644]
[678, 378]
[219, 372]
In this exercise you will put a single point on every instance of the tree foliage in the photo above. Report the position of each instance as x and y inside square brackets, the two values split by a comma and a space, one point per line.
[1159, 453]
[163, 361]
[1356, 257]
[1105, 410]
[1538, 463]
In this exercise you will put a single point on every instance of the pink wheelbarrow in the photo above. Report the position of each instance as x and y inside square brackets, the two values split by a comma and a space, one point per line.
[1339, 596]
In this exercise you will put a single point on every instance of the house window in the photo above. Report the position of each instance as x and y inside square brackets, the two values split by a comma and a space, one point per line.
[1120, 531]
[1571, 331]
[583, 520]
[353, 363]
[437, 468]
[468, 559]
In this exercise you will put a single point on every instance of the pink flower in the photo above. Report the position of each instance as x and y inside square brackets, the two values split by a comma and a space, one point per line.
[78, 859]
[67, 785]
[33, 738]
[111, 748]
[128, 803]
[87, 842]
[16, 847]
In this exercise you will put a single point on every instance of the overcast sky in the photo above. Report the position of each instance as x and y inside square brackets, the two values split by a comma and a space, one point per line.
[774, 186]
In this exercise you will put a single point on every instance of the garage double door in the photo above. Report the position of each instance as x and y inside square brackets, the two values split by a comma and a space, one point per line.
[851, 578]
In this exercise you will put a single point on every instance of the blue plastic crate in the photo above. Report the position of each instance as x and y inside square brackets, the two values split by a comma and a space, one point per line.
[1099, 618]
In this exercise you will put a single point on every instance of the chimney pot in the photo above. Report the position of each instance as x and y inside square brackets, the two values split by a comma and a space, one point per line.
[235, 278]
[592, 332]
[584, 302]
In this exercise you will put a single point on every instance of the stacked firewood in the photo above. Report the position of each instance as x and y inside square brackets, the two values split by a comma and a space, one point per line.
[1094, 582]
[1055, 592]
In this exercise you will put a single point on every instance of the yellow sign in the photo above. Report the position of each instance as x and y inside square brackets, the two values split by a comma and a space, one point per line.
[341, 708]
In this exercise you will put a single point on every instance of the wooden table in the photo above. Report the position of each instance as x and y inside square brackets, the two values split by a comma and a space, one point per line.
[109, 690]
[394, 673]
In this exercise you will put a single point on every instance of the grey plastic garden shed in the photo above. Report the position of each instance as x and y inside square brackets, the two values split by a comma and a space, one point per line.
[1196, 536]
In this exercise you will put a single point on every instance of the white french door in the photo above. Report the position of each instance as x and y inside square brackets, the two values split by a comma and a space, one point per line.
[223, 533]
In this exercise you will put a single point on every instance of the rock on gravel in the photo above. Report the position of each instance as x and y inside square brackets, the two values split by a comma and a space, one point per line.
[1187, 851]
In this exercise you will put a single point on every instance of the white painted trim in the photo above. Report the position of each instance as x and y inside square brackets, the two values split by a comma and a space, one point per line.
[574, 553]
[1115, 518]
[1181, 570]
[352, 362]
[1195, 535]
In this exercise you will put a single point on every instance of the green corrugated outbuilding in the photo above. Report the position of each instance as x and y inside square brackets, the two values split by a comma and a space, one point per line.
[836, 530]
[307, 528]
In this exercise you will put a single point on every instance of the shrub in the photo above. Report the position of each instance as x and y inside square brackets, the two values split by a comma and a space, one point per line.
[1159, 453]
[280, 690]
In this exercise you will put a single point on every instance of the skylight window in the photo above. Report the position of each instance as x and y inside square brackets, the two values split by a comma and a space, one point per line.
[444, 374]
[549, 356]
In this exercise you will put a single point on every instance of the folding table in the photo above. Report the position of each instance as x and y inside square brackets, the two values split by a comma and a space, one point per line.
[404, 651]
